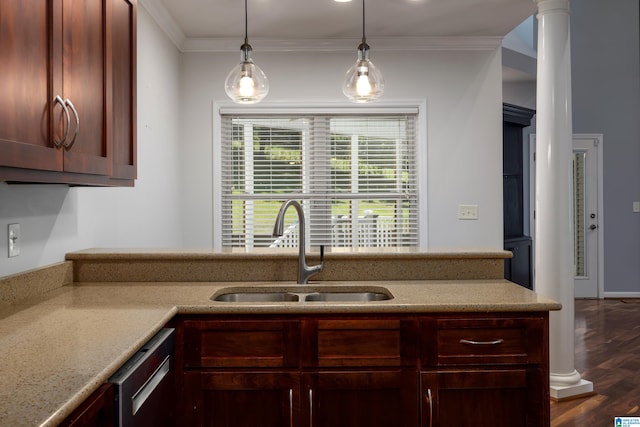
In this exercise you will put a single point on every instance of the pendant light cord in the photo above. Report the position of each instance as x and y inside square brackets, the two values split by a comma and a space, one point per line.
[364, 38]
[246, 24]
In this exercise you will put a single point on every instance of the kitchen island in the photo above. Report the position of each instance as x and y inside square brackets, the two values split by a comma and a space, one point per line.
[60, 344]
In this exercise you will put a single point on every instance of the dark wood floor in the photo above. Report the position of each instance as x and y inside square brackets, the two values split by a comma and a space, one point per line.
[607, 354]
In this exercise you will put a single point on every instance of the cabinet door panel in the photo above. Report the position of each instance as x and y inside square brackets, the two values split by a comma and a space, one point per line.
[369, 398]
[84, 70]
[82, 52]
[502, 398]
[246, 399]
[96, 411]
[122, 54]
[26, 87]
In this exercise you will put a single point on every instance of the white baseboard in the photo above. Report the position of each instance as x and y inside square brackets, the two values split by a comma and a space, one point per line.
[620, 295]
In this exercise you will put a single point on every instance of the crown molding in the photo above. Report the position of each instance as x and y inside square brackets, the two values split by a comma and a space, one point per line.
[160, 14]
[347, 45]
[163, 18]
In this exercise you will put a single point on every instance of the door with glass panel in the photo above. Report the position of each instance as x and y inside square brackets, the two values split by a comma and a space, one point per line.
[587, 212]
[586, 219]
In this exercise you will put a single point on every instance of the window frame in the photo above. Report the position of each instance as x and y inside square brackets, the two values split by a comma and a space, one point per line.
[266, 108]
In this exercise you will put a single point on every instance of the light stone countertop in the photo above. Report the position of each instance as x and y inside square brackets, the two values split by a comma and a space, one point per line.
[57, 348]
[66, 328]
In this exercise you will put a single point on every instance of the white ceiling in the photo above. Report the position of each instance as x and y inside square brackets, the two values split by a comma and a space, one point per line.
[218, 25]
[327, 19]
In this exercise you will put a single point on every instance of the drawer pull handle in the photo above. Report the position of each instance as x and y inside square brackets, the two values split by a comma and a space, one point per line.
[472, 342]
[310, 407]
[290, 407]
[429, 399]
[141, 396]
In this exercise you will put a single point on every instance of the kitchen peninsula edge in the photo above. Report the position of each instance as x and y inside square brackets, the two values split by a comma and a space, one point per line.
[62, 343]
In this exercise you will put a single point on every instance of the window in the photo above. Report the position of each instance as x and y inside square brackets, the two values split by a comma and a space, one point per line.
[355, 175]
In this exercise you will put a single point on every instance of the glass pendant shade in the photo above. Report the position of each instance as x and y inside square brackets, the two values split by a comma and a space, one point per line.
[363, 81]
[246, 83]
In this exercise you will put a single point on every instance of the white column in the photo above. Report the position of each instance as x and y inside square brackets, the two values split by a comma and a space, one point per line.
[554, 265]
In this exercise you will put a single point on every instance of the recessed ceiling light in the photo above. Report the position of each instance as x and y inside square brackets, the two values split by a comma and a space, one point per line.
[342, 1]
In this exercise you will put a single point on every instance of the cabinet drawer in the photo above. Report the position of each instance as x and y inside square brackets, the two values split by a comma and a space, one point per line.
[485, 341]
[241, 343]
[357, 343]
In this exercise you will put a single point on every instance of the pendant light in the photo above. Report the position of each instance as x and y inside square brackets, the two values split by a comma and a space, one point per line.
[246, 83]
[363, 81]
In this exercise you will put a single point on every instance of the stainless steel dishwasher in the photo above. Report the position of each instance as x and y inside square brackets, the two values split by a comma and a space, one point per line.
[144, 385]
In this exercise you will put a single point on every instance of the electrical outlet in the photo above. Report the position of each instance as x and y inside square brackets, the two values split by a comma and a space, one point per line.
[636, 207]
[467, 211]
[14, 240]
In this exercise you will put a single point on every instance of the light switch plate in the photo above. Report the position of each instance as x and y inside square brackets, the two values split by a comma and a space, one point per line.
[14, 240]
[636, 207]
[467, 211]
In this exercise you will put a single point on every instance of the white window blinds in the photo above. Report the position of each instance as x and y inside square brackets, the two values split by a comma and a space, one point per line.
[354, 174]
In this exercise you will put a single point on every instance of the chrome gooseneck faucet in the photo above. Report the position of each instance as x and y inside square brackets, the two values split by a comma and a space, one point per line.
[304, 271]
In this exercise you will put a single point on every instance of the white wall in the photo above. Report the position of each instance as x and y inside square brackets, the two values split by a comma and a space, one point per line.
[522, 94]
[171, 204]
[56, 219]
[463, 92]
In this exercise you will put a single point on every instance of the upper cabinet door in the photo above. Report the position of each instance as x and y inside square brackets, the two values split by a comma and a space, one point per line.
[84, 60]
[67, 91]
[122, 65]
[28, 86]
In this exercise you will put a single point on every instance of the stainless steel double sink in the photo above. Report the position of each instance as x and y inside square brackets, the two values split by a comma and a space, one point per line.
[302, 293]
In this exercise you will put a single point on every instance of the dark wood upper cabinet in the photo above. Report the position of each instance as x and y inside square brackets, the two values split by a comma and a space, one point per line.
[122, 109]
[83, 86]
[67, 110]
[28, 85]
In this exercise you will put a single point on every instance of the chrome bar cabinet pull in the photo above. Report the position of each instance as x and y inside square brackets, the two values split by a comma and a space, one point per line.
[472, 342]
[427, 396]
[310, 407]
[290, 407]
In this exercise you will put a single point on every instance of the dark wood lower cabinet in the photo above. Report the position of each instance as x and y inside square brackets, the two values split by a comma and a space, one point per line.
[372, 399]
[430, 370]
[331, 399]
[97, 410]
[234, 399]
[498, 398]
